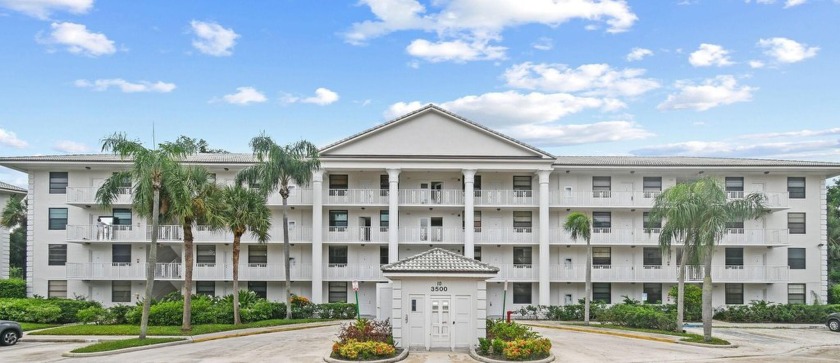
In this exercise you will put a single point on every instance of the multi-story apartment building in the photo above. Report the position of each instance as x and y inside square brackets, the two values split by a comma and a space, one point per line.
[433, 179]
[6, 192]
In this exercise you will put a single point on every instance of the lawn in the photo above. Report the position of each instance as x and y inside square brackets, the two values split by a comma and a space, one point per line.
[35, 326]
[687, 337]
[166, 330]
[122, 344]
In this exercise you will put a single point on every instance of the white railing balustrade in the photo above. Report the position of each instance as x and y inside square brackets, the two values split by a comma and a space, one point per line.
[432, 234]
[87, 195]
[506, 235]
[173, 233]
[356, 197]
[121, 271]
[668, 273]
[517, 272]
[297, 196]
[345, 272]
[506, 197]
[355, 234]
[431, 197]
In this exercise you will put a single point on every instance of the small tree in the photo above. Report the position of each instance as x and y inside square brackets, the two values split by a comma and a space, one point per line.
[579, 227]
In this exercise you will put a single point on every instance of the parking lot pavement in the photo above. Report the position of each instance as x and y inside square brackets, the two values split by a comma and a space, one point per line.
[30, 352]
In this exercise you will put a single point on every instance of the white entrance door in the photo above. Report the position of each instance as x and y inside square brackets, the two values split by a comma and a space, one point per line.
[441, 323]
[462, 332]
[416, 321]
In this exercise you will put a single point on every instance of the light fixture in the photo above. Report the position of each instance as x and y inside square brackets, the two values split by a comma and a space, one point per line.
[87, 168]
[632, 172]
[226, 169]
[766, 172]
[701, 172]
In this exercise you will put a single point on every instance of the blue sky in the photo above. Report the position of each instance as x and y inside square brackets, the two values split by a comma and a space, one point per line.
[729, 78]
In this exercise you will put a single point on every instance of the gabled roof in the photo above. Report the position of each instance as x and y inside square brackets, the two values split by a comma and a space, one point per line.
[6, 187]
[436, 109]
[439, 260]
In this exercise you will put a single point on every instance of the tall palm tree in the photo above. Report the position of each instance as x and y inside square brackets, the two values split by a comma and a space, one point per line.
[190, 204]
[152, 172]
[579, 226]
[14, 213]
[241, 210]
[278, 167]
[699, 213]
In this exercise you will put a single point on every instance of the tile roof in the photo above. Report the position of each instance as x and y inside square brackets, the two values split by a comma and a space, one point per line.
[195, 158]
[682, 161]
[439, 260]
[12, 188]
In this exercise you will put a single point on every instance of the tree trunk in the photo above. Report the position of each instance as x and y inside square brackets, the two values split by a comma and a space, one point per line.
[151, 264]
[286, 258]
[707, 296]
[186, 324]
[236, 238]
[588, 297]
[681, 291]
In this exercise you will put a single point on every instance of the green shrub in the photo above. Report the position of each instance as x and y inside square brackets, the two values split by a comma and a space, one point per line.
[498, 346]
[562, 313]
[13, 288]
[693, 307]
[355, 350]
[36, 310]
[117, 314]
[335, 311]
[646, 316]
[509, 331]
[69, 308]
[764, 312]
[483, 346]
[93, 314]
[834, 294]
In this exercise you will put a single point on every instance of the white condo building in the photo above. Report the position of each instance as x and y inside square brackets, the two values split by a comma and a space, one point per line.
[434, 179]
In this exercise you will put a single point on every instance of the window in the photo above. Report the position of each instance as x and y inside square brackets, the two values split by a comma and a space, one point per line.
[521, 292]
[121, 291]
[57, 288]
[477, 253]
[338, 292]
[796, 293]
[383, 255]
[522, 186]
[653, 226]
[384, 185]
[58, 182]
[796, 223]
[58, 219]
[125, 184]
[259, 287]
[338, 185]
[734, 293]
[338, 256]
[477, 185]
[57, 255]
[796, 188]
[205, 254]
[734, 258]
[477, 221]
[601, 256]
[653, 293]
[651, 186]
[522, 255]
[121, 254]
[205, 288]
[122, 217]
[258, 254]
[602, 291]
[601, 222]
[338, 220]
[736, 227]
[734, 187]
[522, 221]
[796, 258]
[601, 186]
[383, 221]
[652, 257]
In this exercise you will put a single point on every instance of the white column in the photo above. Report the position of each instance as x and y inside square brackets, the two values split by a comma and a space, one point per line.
[544, 268]
[317, 236]
[393, 215]
[469, 213]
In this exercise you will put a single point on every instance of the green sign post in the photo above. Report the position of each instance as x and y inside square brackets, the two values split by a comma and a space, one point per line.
[504, 301]
[356, 291]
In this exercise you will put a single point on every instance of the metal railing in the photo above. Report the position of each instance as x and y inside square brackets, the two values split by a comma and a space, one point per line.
[355, 197]
[87, 195]
[431, 234]
[172, 233]
[506, 197]
[431, 197]
[121, 271]
[669, 273]
[355, 234]
[506, 236]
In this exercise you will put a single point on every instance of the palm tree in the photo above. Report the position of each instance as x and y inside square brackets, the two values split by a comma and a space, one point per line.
[14, 213]
[14, 217]
[241, 210]
[579, 226]
[278, 167]
[152, 173]
[190, 204]
[698, 213]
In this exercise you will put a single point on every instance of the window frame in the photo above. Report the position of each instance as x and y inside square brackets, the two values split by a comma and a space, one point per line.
[799, 298]
[125, 259]
[258, 254]
[57, 254]
[259, 287]
[796, 191]
[384, 220]
[604, 251]
[207, 288]
[796, 227]
[734, 183]
[734, 294]
[383, 255]
[57, 223]
[519, 292]
[650, 257]
[204, 251]
[651, 185]
[336, 225]
[335, 290]
[647, 226]
[522, 183]
[477, 253]
[523, 220]
[57, 183]
[605, 293]
[335, 182]
[119, 221]
[732, 257]
[123, 292]
[792, 259]
[523, 255]
[649, 287]
[334, 258]
[601, 221]
[54, 291]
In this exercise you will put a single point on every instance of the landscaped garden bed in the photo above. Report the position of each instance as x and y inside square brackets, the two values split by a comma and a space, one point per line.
[366, 340]
[512, 342]
[123, 344]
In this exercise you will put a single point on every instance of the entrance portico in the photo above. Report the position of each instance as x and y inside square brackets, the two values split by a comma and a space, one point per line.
[438, 300]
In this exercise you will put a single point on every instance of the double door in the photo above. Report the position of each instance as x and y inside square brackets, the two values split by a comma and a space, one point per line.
[435, 323]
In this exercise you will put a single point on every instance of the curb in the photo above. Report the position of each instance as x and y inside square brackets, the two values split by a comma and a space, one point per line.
[474, 355]
[707, 345]
[266, 331]
[398, 358]
[125, 350]
[606, 332]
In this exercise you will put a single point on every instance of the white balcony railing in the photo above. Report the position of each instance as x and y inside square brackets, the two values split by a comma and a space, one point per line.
[517, 272]
[669, 273]
[506, 236]
[431, 197]
[356, 197]
[353, 272]
[121, 271]
[640, 236]
[356, 234]
[641, 199]
[298, 196]
[172, 233]
[506, 197]
[87, 195]
[432, 234]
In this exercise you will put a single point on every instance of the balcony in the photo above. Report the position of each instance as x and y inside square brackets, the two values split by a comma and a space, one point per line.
[171, 233]
[344, 272]
[639, 273]
[754, 237]
[429, 197]
[121, 271]
[517, 272]
[297, 197]
[506, 198]
[356, 197]
[517, 236]
[431, 235]
[642, 199]
[251, 272]
[356, 234]
[773, 200]
[641, 236]
[87, 196]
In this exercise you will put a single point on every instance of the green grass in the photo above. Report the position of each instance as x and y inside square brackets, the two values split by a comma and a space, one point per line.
[165, 330]
[122, 344]
[697, 338]
[687, 337]
[36, 326]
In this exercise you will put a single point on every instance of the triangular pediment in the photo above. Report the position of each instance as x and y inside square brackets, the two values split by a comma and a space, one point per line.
[439, 260]
[432, 132]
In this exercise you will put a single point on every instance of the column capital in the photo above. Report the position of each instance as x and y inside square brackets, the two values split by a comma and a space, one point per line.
[544, 175]
[318, 176]
[393, 175]
[469, 174]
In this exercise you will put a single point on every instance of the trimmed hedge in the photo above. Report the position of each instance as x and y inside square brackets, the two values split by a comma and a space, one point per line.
[765, 312]
[561, 312]
[634, 315]
[36, 310]
[13, 289]
[512, 341]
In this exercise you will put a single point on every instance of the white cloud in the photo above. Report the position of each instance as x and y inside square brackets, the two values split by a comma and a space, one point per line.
[785, 50]
[733, 149]
[213, 39]
[71, 147]
[543, 44]
[756, 64]
[792, 3]
[589, 79]
[43, 8]
[78, 40]
[798, 133]
[458, 51]
[9, 138]
[637, 54]
[244, 96]
[322, 97]
[712, 92]
[401, 108]
[125, 86]
[710, 55]
[560, 135]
